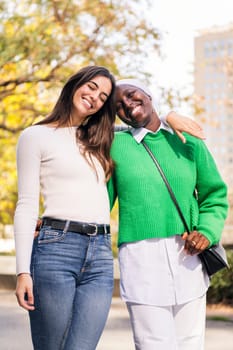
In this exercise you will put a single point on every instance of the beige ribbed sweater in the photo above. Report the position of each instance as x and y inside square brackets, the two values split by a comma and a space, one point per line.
[49, 163]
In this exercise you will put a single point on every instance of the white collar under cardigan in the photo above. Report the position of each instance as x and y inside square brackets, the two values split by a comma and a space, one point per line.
[140, 133]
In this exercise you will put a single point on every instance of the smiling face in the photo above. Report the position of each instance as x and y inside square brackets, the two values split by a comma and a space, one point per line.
[90, 98]
[134, 107]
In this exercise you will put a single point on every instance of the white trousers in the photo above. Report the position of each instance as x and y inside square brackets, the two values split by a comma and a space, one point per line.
[179, 327]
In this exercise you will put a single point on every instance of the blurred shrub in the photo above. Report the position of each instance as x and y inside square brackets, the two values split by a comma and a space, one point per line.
[221, 288]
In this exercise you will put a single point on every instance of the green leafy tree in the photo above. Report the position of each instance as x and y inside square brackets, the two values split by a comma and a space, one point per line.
[43, 42]
[221, 287]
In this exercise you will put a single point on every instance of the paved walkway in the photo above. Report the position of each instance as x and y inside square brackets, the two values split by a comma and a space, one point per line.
[14, 327]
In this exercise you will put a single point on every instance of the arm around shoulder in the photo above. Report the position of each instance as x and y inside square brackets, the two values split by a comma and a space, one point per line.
[180, 123]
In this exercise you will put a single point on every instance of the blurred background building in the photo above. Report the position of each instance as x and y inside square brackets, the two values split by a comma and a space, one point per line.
[213, 85]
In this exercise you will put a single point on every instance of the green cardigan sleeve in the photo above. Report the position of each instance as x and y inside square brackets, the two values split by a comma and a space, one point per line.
[211, 195]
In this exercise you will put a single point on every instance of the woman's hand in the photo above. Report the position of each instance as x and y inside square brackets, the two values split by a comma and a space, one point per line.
[195, 242]
[180, 123]
[24, 291]
[38, 227]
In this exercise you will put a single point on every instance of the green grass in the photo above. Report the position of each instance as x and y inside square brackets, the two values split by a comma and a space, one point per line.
[219, 318]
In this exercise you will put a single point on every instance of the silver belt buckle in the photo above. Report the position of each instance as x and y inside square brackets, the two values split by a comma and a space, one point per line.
[95, 232]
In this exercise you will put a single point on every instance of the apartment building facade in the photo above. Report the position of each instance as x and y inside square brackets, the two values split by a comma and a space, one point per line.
[213, 85]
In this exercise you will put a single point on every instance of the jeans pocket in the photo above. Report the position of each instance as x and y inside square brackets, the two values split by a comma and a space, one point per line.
[49, 235]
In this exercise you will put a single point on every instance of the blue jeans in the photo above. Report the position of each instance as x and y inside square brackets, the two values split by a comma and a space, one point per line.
[73, 284]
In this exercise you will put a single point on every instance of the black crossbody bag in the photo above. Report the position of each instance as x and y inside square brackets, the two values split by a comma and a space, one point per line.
[214, 258]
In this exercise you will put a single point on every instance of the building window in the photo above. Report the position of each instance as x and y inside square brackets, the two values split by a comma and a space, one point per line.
[230, 47]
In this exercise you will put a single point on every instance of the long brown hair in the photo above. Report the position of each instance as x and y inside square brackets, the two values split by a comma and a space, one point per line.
[96, 135]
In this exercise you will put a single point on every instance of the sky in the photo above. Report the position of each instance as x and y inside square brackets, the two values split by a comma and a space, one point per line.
[179, 21]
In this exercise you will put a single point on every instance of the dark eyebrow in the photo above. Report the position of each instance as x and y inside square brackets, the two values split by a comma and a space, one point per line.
[93, 82]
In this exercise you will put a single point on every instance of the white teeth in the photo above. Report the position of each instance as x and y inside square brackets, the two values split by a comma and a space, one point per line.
[135, 110]
[87, 103]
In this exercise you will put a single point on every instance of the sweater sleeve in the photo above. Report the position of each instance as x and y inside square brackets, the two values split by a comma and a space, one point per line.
[212, 195]
[112, 191]
[27, 208]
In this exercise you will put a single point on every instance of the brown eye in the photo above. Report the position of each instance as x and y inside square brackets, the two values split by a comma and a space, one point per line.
[91, 86]
[103, 97]
[130, 94]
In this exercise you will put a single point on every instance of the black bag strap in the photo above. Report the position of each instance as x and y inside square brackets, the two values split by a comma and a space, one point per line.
[173, 197]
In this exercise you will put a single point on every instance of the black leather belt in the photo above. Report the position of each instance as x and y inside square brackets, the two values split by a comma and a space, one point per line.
[76, 226]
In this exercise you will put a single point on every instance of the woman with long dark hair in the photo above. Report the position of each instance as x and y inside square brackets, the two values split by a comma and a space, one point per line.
[65, 274]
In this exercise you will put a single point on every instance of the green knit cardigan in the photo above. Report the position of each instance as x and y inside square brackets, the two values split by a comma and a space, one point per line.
[145, 207]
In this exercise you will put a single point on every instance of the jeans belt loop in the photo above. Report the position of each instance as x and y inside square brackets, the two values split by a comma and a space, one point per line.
[67, 224]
